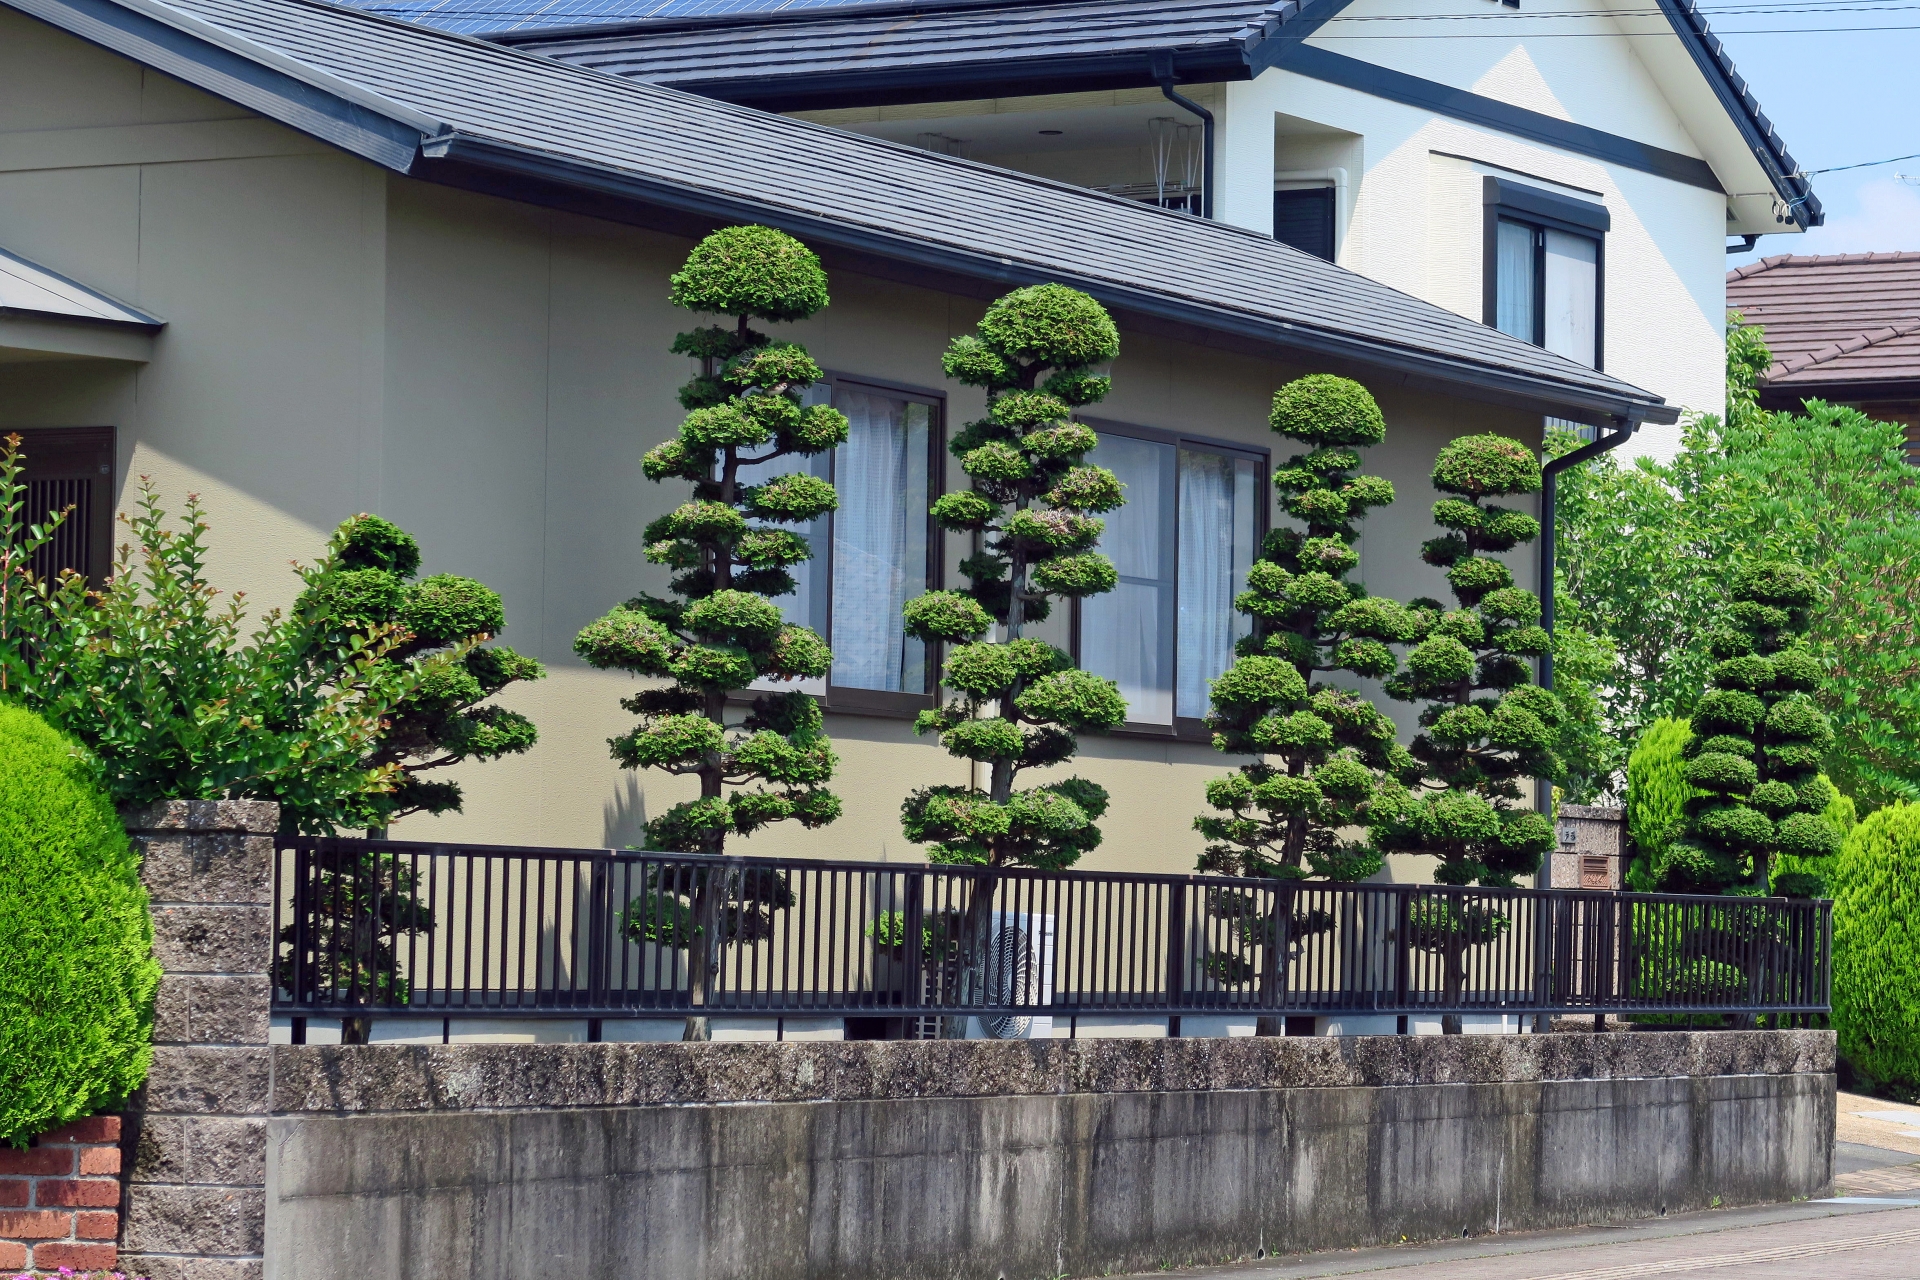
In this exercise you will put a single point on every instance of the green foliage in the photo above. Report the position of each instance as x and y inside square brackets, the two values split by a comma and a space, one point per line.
[1876, 946]
[1657, 792]
[77, 977]
[720, 632]
[366, 900]
[1649, 549]
[1486, 725]
[1034, 506]
[1318, 752]
[1758, 739]
[438, 624]
[152, 674]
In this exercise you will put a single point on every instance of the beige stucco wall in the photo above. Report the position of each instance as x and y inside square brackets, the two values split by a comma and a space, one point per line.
[488, 375]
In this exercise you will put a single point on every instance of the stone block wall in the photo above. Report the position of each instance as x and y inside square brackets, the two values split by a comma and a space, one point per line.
[60, 1199]
[1584, 832]
[194, 1206]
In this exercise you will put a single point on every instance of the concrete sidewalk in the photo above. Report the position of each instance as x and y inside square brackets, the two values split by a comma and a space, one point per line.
[1858, 1239]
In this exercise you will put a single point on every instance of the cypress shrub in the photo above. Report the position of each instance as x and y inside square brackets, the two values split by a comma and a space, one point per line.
[1876, 946]
[77, 976]
[1657, 793]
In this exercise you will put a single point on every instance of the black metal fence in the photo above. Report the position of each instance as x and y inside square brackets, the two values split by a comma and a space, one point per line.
[400, 928]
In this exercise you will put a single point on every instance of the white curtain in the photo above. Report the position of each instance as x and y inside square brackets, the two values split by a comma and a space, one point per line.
[1572, 281]
[806, 606]
[1513, 280]
[1127, 634]
[879, 541]
[1217, 528]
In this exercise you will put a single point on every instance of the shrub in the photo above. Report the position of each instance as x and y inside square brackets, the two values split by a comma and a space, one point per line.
[76, 975]
[1657, 791]
[1876, 946]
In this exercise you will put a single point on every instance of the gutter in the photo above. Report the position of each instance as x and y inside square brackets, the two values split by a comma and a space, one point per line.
[1161, 64]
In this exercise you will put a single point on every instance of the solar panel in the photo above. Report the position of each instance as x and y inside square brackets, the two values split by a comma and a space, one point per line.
[474, 17]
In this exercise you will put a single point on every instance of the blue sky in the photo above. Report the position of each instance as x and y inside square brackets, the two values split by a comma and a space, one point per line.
[1838, 97]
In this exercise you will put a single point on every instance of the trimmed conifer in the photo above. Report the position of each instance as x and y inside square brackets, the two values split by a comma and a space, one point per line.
[1033, 507]
[1758, 740]
[720, 631]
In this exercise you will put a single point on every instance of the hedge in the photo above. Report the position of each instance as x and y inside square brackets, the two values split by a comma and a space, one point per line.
[1876, 946]
[77, 977]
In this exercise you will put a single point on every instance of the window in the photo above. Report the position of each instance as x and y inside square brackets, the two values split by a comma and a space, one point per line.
[1183, 543]
[873, 554]
[1303, 218]
[71, 469]
[1544, 278]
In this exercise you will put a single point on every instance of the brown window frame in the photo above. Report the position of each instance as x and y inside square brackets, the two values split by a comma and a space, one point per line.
[75, 453]
[1183, 728]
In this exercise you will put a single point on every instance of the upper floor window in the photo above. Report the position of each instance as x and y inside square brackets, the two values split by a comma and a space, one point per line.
[1545, 258]
[1195, 513]
[873, 554]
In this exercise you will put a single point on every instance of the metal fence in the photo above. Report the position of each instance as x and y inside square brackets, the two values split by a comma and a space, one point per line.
[400, 928]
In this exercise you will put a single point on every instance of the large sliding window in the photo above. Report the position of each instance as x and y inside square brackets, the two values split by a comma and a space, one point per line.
[873, 554]
[1195, 513]
[1545, 261]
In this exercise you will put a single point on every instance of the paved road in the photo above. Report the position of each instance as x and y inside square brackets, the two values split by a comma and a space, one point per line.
[1826, 1240]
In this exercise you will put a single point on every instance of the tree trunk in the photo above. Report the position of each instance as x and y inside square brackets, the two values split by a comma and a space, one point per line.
[1453, 957]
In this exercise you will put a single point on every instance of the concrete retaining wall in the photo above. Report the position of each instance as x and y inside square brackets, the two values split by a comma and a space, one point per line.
[900, 1159]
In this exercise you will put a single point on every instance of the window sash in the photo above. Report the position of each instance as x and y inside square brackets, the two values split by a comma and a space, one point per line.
[1546, 287]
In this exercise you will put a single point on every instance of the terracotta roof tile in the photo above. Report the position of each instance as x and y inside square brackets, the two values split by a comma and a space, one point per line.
[1849, 317]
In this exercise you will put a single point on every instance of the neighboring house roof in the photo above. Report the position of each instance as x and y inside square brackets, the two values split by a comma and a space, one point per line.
[451, 109]
[1848, 318]
[823, 55]
[30, 290]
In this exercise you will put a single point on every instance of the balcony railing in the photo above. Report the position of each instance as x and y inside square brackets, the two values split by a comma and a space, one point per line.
[400, 929]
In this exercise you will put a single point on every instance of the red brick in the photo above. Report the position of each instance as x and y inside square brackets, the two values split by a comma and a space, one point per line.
[35, 1226]
[81, 1257]
[37, 1161]
[12, 1255]
[92, 1129]
[92, 1192]
[14, 1193]
[100, 1160]
[96, 1226]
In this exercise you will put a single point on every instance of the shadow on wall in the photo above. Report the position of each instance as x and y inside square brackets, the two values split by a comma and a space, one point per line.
[625, 816]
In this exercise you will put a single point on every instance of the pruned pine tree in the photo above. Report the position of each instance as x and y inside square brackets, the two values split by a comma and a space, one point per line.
[1318, 753]
[1033, 509]
[720, 631]
[1487, 727]
[1758, 741]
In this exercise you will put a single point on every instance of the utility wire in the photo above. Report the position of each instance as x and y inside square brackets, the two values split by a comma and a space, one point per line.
[1864, 164]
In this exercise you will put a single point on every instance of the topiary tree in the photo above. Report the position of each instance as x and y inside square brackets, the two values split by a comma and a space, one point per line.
[1657, 792]
[1758, 741]
[1486, 727]
[443, 620]
[1317, 751]
[77, 977]
[1032, 507]
[1876, 947]
[720, 631]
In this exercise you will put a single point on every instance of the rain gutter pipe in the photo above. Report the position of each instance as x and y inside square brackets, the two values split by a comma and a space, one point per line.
[1161, 63]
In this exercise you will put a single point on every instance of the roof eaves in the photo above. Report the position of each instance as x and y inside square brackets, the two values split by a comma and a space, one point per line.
[246, 73]
[547, 166]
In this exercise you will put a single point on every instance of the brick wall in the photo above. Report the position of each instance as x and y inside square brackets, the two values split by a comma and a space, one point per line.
[60, 1199]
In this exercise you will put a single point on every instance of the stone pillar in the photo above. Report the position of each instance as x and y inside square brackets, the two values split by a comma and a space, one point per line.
[1590, 848]
[195, 1205]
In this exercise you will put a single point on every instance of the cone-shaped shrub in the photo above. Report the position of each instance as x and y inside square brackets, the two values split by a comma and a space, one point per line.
[77, 975]
[1486, 726]
[1319, 752]
[1876, 946]
[1758, 740]
[1033, 508]
[441, 622]
[720, 630]
[1657, 791]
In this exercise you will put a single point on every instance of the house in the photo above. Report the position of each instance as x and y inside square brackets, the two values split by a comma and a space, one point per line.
[1844, 328]
[1567, 173]
[305, 261]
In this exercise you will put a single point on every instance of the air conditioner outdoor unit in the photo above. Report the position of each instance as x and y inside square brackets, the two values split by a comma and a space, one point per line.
[1019, 972]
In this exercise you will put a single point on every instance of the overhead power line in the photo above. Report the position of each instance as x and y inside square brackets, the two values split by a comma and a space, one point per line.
[1864, 164]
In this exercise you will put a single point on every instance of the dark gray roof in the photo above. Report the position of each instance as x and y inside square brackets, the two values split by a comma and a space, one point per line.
[925, 50]
[443, 106]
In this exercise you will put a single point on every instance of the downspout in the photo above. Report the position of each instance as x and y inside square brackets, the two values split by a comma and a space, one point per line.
[1161, 63]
